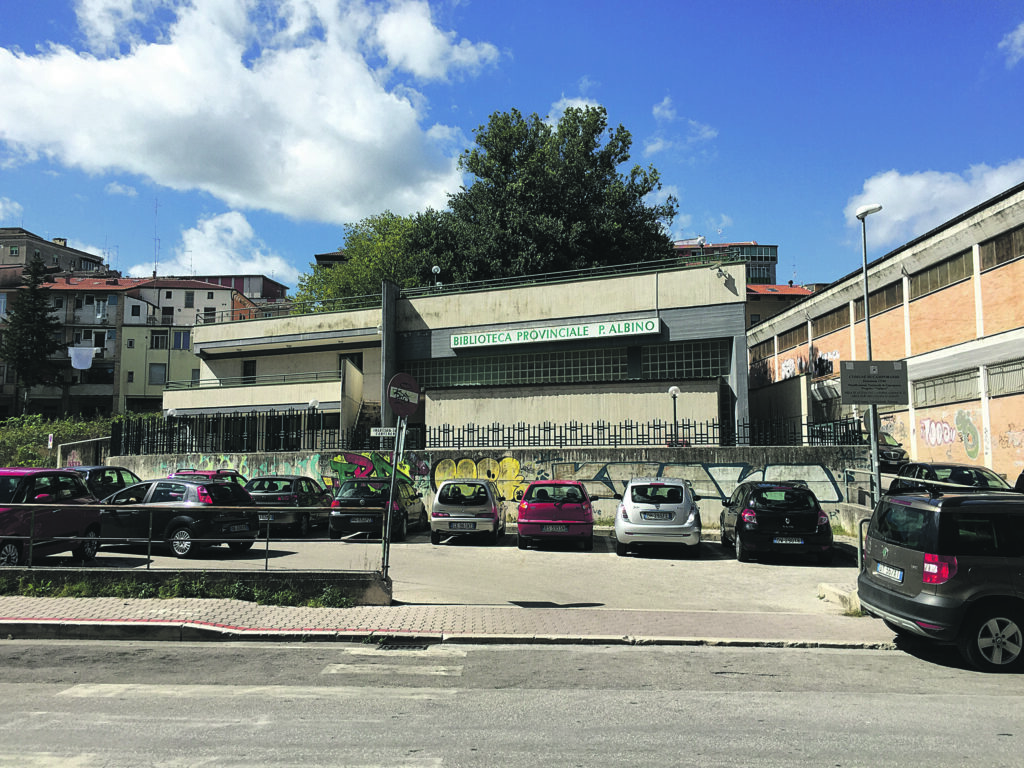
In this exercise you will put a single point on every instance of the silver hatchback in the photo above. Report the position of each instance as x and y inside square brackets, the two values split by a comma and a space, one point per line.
[657, 510]
[467, 506]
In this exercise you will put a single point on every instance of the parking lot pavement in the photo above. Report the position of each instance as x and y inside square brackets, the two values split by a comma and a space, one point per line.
[468, 591]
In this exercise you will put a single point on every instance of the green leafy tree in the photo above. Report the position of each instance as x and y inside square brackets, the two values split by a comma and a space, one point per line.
[545, 199]
[376, 249]
[32, 334]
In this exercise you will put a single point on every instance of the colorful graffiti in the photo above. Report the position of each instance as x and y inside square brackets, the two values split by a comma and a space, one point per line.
[507, 473]
[940, 433]
[370, 464]
[972, 440]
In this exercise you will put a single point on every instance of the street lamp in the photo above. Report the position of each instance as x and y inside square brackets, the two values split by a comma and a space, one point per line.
[862, 213]
[674, 391]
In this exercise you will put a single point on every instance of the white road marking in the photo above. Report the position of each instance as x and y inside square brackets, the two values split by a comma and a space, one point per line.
[109, 691]
[435, 670]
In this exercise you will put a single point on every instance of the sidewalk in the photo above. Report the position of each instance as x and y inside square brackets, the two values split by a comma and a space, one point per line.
[111, 618]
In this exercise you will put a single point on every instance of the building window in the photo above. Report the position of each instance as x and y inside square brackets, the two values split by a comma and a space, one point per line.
[1001, 249]
[209, 294]
[181, 340]
[136, 311]
[131, 376]
[157, 374]
[15, 250]
[78, 302]
[129, 343]
[58, 302]
[762, 350]
[112, 300]
[832, 321]
[89, 300]
[754, 318]
[56, 259]
[158, 340]
[195, 375]
[942, 274]
[3, 304]
[167, 315]
[190, 299]
[248, 371]
[168, 294]
[793, 338]
[209, 314]
[884, 298]
[952, 388]
[1006, 378]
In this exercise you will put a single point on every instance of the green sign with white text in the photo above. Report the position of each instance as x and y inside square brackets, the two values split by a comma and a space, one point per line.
[578, 332]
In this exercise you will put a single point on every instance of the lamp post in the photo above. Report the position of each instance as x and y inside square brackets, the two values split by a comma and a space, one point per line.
[674, 391]
[876, 477]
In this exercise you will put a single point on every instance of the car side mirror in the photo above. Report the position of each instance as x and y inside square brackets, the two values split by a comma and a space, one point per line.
[696, 497]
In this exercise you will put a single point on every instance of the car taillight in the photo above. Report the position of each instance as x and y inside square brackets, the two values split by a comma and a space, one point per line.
[749, 516]
[335, 504]
[203, 495]
[286, 499]
[622, 511]
[439, 514]
[938, 569]
[822, 518]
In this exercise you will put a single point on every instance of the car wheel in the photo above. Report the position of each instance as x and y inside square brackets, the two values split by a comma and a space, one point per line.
[181, 543]
[302, 528]
[10, 553]
[521, 541]
[742, 553]
[424, 523]
[435, 537]
[721, 532]
[89, 546]
[588, 544]
[240, 546]
[621, 549]
[333, 534]
[493, 536]
[992, 639]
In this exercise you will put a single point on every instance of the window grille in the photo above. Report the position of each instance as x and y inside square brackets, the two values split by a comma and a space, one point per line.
[1006, 378]
[950, 388]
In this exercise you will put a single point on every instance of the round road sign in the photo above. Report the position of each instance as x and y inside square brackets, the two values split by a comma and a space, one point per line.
[403, 394]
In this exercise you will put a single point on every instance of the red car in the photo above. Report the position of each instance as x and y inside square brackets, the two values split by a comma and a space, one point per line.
[51, 526]
[556, 510]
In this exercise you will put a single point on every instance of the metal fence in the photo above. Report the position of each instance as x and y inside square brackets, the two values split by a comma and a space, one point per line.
[313, 430]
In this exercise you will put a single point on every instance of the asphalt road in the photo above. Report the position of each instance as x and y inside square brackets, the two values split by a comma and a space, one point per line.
[466, 571]
[244, 704]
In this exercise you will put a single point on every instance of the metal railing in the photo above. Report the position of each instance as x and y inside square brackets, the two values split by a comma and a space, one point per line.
[304, 377]
[285, 308]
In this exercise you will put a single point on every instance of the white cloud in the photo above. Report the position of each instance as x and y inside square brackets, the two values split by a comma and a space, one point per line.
[915, 203]
[117, 188]
[663, 110]
[10, 212]
[225, 244]
[1013, 46]
[692, 142]
[282, 106]
[409, 39]
[558, 108]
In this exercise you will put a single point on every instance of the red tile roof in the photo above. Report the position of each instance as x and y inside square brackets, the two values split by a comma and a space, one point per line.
[778, 290]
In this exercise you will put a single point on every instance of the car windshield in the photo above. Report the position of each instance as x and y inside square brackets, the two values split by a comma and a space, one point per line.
[227, 494]
[905, 526]
[466, 494]
[795, 499]
[554, 493]
[352, 489]
[8, 485]
[975, 477]
[656, 494]
[269, 485]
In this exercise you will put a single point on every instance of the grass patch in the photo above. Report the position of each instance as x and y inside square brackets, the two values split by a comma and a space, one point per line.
[178, 585]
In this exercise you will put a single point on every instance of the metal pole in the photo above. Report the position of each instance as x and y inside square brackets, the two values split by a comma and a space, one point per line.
[876, 475]
[395, 461]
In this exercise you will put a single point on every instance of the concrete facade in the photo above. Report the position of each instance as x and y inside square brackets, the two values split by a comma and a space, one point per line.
[946, 304]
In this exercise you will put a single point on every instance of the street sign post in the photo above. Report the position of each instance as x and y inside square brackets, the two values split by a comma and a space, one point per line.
[383, 432]
[404, 398]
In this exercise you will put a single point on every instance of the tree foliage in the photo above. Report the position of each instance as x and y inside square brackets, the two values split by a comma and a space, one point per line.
[32, 334]
[545, 199]
[376, 249]
[23, 439]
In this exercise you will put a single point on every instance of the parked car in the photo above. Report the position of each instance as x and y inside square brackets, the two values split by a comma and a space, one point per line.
[102, 480]
[948, 568]
[467, 506]
[184, 514]
[657, 510]
[223, 475]
[891, 453]
[955, 478]
[775, 517]
[49, 527]
[555, 510]
[360, 503]
[309, 503]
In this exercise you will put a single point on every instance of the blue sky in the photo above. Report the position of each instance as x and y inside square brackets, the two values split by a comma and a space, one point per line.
[232, 136]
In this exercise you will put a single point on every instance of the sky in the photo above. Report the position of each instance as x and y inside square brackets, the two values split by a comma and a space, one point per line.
[241, 136]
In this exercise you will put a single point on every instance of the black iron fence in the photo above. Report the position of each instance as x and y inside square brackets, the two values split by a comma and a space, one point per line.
[313, 430]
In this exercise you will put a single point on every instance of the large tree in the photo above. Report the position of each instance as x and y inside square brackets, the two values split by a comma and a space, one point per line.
[545, 199]
[32, 334]
[375, 249]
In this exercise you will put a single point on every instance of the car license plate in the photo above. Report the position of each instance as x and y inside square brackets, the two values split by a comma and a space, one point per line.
[554, 528]
[656, 515]
[238, 528]
[787, 540]
[362, 519]
[889, 572]
[266, 517]
[462, 526]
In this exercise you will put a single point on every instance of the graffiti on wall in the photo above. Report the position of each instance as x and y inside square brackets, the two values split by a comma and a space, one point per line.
[376, 464]
[605, 479]
[939, 433]
[249, 465]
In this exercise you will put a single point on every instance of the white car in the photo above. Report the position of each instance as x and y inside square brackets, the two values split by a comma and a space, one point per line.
[657, 510]
[467, 506]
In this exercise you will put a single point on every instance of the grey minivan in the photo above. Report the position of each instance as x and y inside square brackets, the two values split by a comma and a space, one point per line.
[950, 568]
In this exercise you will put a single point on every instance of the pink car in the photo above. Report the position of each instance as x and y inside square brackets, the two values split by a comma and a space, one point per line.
[556, 510]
